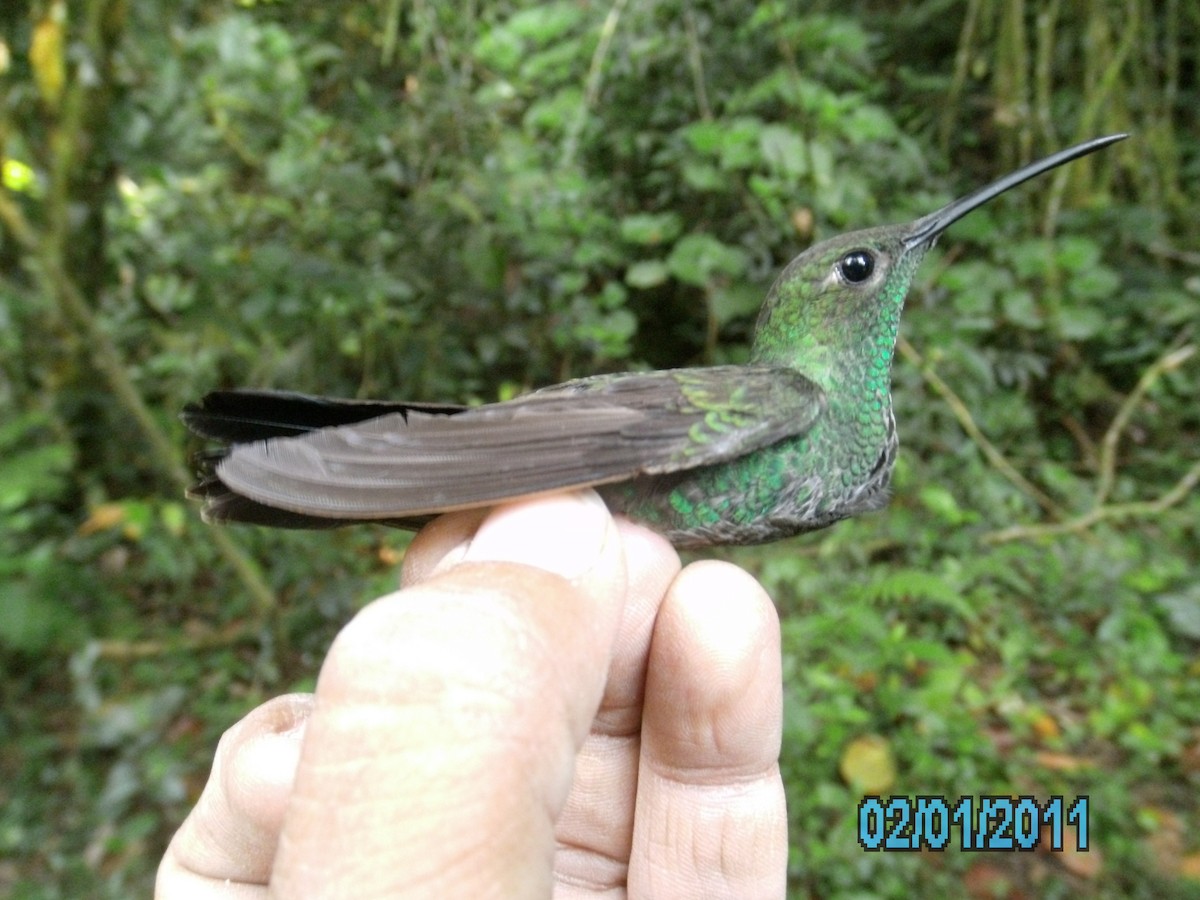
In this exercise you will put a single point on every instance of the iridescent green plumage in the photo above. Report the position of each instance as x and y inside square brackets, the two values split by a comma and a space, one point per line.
[797, 439]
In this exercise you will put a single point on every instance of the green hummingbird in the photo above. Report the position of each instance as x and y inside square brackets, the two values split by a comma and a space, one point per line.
[800, 437]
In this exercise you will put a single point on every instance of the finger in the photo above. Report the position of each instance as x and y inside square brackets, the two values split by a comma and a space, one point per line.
[226, 845]
[596, 825]
[448, 716]
[710, 818]
[651, 565]
[440, 545]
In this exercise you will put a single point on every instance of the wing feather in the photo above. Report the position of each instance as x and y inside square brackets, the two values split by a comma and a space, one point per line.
[413, 463]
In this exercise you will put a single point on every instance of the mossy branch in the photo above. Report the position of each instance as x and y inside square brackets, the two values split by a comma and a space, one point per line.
[1101, 510]
[994, 457]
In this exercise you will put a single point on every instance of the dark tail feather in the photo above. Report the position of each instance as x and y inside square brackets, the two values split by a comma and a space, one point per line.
[240, 416]
[223, 506]
[237, 417]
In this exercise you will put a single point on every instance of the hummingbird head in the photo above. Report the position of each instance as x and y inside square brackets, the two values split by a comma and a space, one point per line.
[838, 303]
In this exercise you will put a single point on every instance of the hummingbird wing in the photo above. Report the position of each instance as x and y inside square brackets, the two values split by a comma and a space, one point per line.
[409, 462]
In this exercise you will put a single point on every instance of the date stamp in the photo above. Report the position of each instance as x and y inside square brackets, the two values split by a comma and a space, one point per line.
[984, 823]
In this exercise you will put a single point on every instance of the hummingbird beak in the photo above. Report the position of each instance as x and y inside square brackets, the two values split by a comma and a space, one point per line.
[926, 229]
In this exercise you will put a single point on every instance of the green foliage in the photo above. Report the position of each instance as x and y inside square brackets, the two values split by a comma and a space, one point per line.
[461, 202]
[34, 472]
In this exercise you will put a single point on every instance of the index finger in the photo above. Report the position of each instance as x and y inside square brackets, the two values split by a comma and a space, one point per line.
[448, 716]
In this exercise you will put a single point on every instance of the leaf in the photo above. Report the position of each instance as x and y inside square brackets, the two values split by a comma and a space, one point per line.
[650, 228]
[704, 177]
[705, 136]
[1031, 257]
[18, 177]
[174, 517]
[1183, 611]
[739, 144]
[555, 110]
[975, 286]
[546, 21]
[647, 273]
[504, 47]
[1062, 762]
[821, 156]
[1021, 309]
[35, 611]
[500, 48]
[1045, 726]
[867, 764]
[1095, 283]
[903, 584]
[1079, 324]
[35, 474]
[696, 258]
[735, 300]
[102, 518]
[46, 54]
[26, 621]
[784, 150]
[1076, 253]
[869, 122]
[1189, 867]
[939, 501]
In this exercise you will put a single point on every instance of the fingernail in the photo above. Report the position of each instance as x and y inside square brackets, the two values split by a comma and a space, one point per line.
[563, 534]
[286, 716]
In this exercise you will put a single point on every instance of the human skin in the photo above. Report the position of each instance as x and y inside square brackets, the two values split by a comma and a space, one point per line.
[550, 706]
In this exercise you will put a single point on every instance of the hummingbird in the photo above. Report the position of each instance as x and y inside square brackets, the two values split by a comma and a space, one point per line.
[798, 438]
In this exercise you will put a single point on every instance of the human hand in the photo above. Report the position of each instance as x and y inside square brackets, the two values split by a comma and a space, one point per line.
[549, 705]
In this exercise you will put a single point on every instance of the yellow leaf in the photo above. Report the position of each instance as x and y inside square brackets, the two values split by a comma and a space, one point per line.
[1045, 726]
[103, 517]
[1063, 762]
[1189, 867]
[867, 764]
[17, 177]
[46, 54]
[803, 221]
[390, 556]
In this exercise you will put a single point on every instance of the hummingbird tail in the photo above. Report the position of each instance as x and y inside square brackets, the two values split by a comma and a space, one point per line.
[244, 416]
[237, 417]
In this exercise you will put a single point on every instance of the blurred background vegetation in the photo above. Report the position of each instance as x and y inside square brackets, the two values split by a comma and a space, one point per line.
[442, 201]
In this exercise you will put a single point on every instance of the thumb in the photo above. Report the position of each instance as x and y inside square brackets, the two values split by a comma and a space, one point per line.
[447, 717]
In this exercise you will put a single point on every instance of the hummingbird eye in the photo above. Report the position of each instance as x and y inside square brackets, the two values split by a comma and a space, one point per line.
[856, 266]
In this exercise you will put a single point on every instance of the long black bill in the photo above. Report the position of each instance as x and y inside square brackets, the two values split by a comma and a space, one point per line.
[930, 226]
